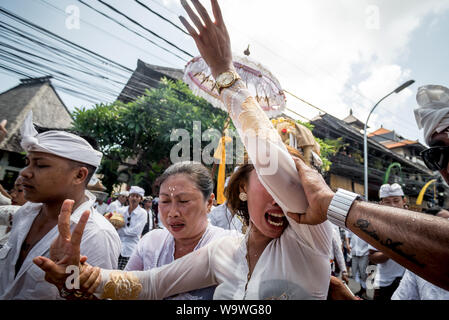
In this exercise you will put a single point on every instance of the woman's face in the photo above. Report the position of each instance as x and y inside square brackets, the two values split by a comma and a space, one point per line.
[182, 207]
[264, 212]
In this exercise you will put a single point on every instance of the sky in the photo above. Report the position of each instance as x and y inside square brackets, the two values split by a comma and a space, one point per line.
[335, 54]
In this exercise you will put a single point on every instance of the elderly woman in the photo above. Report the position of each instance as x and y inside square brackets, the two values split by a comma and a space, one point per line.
[185, 198]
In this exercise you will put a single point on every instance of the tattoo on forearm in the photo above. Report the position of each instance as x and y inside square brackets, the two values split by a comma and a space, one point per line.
[389, 243]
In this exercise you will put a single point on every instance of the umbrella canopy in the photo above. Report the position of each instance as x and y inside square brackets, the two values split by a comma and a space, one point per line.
[259, 80]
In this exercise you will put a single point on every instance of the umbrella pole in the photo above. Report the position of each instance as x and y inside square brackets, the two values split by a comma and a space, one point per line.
[226, 125]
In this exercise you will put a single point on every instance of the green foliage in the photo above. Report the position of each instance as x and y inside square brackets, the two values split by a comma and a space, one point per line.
[328, 147]
[138, 133]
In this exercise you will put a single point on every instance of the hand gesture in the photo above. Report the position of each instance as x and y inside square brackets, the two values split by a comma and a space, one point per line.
[212, 38]
[318, 194]
[65, 249]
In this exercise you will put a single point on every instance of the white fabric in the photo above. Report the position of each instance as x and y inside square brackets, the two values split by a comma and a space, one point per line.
[60, 143]
[413, 287]
[337, 253]
[130, 235]
[387, 272]
[274, 165]
[393, 190]
[138, 190]
[6, 215]
[359, 247]
[4, 201]
[222, 217]
[114, 206]
[101, 208]
[100, 243]
[293, 266]
[432, 115]
[157, 248]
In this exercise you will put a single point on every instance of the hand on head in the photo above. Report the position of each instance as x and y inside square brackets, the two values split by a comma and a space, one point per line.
[211, 38]
[65, 249]
[318, 194]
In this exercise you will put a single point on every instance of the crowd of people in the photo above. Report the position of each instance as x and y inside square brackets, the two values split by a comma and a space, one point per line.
[179, 245]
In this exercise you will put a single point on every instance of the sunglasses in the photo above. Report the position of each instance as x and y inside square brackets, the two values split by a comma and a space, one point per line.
[129, 221]
[436, 158]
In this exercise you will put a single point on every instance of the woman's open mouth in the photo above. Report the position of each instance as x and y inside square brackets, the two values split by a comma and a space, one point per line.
[276, 219]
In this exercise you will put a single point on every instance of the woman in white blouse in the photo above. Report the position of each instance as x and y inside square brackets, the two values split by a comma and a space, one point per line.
[277, 258]
[183, 209]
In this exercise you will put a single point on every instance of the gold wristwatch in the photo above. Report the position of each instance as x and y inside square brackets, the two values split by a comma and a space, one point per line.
[226, 80]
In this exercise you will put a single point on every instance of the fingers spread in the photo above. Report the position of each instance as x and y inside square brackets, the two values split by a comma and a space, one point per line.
[189, 28]
[203, 12]
[64, 219]
[79, 229]
[45, 264]
[195, 19]
[217, 13]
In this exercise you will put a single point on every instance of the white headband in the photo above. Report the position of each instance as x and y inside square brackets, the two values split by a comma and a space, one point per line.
[394, 190]
[138, 190]
[59, 143]
[432, 115]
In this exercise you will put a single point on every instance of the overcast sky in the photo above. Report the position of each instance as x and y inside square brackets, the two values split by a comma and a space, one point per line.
[337, 55]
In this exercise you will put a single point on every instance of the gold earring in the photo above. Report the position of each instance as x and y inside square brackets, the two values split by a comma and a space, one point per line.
[243, 196]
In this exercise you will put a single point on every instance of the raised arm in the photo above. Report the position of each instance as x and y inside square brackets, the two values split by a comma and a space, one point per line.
[417, 241]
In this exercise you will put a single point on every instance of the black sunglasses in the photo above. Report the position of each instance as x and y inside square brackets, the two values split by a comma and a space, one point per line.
[129, 221]
[436, 158]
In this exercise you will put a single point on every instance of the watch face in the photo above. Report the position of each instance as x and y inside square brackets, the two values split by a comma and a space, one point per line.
[225, 79]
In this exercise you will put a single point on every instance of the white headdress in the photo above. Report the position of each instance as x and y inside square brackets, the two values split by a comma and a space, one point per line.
[60, 143]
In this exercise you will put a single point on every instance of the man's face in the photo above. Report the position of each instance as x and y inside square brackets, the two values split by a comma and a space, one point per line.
[440, 140]
[394, 201]
[134, 199]
[47, 177]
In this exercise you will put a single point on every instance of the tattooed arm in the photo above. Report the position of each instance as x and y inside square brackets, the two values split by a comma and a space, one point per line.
[417, 241]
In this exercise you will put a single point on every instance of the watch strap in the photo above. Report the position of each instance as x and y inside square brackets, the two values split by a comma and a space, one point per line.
[339, 207]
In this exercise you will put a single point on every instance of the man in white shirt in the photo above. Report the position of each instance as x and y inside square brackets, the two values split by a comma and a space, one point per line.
[59, 165]
[360, 260]
[388, 273]
[222, 217]
[119, 203]
[135, 219]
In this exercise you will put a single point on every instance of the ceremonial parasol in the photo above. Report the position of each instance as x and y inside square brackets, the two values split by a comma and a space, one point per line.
[258, 79]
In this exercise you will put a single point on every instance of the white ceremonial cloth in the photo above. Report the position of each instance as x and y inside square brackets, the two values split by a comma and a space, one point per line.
[100, 243]
[293, 266]
[359, 247]
[130, 235]
[6, 215]
[387, 272]
[337, 253]
[157, 248]
[101, 208]
[222, 217]
[59, 143]
[432, 115]
[413, 287]
[114, 206]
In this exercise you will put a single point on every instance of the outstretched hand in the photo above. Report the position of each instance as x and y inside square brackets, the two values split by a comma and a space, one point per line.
[318, 194]
[65, 249]
[212, 38]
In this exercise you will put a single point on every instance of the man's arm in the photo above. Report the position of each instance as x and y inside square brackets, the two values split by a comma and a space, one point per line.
[377, 257]
[417, 241]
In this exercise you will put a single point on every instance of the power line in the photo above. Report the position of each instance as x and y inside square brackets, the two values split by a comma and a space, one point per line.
[146, 29]
[162, 17]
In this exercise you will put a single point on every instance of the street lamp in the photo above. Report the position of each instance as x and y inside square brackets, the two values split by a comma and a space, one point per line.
[365, 143]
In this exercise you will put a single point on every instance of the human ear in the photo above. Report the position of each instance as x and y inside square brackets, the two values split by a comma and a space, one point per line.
[81, 175]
